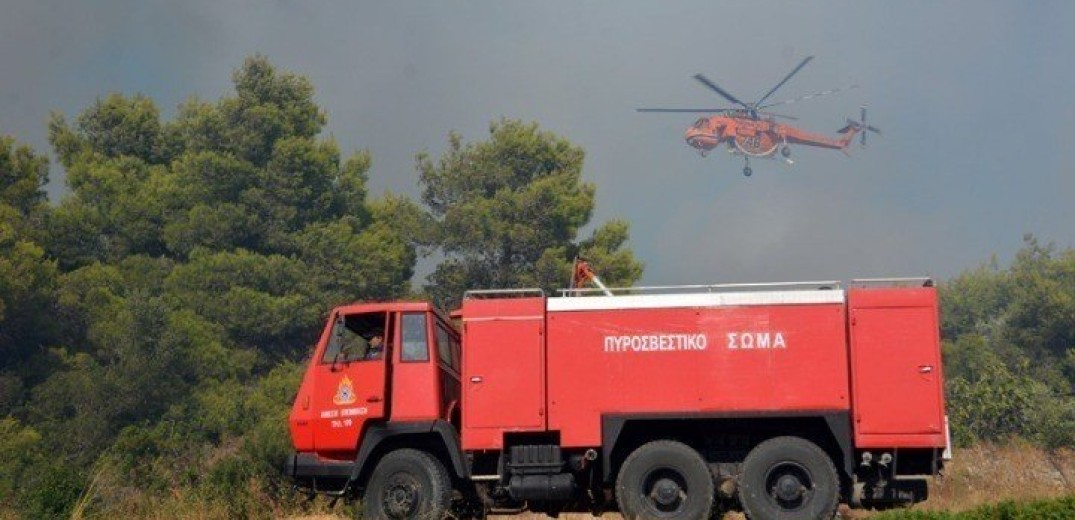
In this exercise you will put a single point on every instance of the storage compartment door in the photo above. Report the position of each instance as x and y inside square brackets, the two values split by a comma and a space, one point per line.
[504, 377]
[896, 370]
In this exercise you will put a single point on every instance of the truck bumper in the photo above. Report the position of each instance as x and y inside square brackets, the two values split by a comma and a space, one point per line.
[306, 466]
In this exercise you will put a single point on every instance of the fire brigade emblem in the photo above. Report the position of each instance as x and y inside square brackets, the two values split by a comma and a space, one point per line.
[345, 393]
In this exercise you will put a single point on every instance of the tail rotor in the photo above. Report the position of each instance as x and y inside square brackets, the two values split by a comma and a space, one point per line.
[860, 126]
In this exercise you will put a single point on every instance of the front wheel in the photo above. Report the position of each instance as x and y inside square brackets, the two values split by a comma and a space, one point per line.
[408, 484]
[665, 479]
[788, 478]
[747, 171]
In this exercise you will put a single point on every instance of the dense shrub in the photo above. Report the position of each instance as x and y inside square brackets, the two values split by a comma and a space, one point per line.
[1056, 509]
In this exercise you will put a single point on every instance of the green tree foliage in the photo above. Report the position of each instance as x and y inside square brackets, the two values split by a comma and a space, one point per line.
[972, 301]
[1041, 315]
[27, 276]
[18, 445]
[1010, 348]
[23, 174]
[117, 126]
[990, 401]
[151, 322]
[507, 214]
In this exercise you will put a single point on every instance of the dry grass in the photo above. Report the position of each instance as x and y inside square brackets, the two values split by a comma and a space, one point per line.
[979, 475]
[991, 473]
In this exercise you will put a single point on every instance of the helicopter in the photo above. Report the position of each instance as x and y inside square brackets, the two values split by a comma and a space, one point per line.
[752, 131]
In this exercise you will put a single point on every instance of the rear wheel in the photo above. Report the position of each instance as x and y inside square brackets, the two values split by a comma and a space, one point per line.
[788, 478]
[665, 479]
[408, 484]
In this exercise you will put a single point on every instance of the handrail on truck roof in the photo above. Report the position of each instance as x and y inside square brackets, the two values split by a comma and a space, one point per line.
[913, 281]
[478, 294]
[712, 288]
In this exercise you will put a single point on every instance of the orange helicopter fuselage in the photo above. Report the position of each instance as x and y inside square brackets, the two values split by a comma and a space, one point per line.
[755, 137]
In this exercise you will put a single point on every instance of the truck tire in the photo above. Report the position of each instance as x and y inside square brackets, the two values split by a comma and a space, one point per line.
[665, 479]
[788, 478]
[408, 484]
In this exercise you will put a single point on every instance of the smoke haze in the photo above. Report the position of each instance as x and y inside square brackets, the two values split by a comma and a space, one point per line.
[975, 99]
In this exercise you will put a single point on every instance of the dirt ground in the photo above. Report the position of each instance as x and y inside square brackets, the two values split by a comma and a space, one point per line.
[978, 475]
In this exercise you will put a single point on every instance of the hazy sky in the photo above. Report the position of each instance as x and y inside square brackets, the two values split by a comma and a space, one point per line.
[976, 100]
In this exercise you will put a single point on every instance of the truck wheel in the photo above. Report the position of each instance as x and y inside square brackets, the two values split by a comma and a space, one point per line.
[788, 478]
[408, 484]
[665, 479]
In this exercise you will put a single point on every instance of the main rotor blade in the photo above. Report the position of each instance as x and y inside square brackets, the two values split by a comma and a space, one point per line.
[785, 80]
[698, 110]
[809, 96]
[783, 116]
[713, 86]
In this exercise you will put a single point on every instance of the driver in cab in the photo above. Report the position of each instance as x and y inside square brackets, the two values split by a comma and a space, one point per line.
[376, 346]
[360, 346]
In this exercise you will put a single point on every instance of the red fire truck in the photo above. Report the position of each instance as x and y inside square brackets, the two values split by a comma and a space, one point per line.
[779, 399]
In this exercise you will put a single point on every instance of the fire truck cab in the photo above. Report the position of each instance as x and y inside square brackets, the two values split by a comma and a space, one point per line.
[777, 399]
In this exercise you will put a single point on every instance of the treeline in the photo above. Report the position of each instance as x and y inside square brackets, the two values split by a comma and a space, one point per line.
[153, 323]
[1009, 348]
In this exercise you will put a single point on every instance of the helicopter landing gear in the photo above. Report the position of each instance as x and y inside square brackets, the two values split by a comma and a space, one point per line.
[747, 172]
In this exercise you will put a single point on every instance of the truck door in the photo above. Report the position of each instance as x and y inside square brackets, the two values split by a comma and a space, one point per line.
[896, 367]
[503, 369]
[350, 388]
